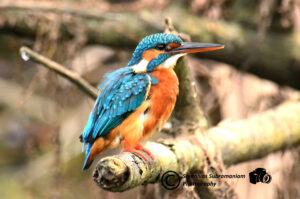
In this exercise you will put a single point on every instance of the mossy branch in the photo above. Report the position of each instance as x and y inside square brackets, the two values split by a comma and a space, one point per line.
[236, 142]
[187, 101]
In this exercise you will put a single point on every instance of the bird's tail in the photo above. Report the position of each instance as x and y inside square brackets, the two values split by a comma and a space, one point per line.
[93, 149]
[87, 162]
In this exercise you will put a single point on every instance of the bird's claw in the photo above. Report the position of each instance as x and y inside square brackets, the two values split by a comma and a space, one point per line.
[137, 150]
[141, 148]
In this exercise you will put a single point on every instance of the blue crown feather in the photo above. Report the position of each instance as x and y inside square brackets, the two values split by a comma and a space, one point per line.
[150, 42]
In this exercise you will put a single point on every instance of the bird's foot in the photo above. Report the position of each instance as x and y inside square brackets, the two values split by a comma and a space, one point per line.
[137, 150]
[133, 150]
[141, 148]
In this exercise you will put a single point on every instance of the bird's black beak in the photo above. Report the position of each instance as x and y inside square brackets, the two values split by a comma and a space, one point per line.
[194, 47]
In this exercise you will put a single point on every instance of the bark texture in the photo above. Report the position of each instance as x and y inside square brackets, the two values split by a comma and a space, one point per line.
[236, 142]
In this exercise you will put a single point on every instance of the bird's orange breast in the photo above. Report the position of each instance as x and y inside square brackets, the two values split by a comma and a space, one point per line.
[141, 124]
[162, 97]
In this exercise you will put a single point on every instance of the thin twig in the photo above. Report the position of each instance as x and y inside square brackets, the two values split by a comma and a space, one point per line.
[61, 70]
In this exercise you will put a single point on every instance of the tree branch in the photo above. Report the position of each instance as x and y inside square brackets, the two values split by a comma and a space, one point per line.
[187, 100]
[91, 91]
[239, 141]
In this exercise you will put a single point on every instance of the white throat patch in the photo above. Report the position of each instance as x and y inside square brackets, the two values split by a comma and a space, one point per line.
[141, 67]
[170, 62]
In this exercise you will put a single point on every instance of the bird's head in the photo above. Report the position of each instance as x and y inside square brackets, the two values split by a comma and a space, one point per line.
[163, 50]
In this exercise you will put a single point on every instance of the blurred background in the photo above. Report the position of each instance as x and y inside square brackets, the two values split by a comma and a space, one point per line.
[42, 114]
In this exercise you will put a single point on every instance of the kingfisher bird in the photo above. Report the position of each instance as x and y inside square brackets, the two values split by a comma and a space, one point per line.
[138, 99]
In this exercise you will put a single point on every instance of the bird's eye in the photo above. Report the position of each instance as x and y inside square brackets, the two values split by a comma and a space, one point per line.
[168, 48]
[160, 46]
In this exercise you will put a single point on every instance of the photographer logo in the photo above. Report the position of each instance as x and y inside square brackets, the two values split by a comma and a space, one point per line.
[170, 180]
[260, 175]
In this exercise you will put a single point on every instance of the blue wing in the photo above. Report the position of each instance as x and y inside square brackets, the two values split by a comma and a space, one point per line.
[121, 93]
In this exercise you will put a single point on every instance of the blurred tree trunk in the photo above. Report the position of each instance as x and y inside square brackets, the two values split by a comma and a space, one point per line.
[277, 59]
